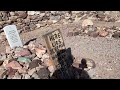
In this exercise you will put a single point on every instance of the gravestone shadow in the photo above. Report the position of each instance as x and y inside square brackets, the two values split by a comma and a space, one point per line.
[67, 70]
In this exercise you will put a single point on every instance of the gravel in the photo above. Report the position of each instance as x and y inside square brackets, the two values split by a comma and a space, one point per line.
[64, 16]
[103, 50]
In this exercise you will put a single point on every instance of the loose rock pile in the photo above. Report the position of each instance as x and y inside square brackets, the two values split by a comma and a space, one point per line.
[28, 62]
[88, 28]
[31, 20]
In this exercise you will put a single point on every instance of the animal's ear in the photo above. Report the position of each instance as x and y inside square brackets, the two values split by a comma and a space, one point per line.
[83, 61]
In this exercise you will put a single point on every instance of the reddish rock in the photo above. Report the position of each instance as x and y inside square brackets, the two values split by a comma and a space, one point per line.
[11, 71]
[103, 33]
[22, 52]
[52, 69]
[48, 62]
[23, 14]
[14, 65]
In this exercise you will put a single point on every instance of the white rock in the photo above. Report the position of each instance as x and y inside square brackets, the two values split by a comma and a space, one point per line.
[51, 69]
[54, 21]
[39, 67]
[64, 21]
[37, 12]
[31, 12]
[40, 52]
[38, 25]
[45, 56]
[67, 17]
[25, 46]
[75, 12]
[87, 22]
[42, 14]
[118, 21]
[31, 46]
[36, 58]
[10, 77]
[30, 72]
[9, 57]
[12, 13]
[77, 20]
[26, 65]
[35, 76]
[27, 76]
[5, 62]
[53, 12]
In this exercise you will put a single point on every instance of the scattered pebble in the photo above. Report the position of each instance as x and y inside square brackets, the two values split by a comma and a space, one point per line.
[2, 70]
[40, 52]
[5, 62]
[103, 33]
[39, 67]
[92, 33]
[35, 76]
[12, 13]
[11, 71]
[21, 52]
[45, 56]
[38, 25]
[3, 57]
[8, 50]
[23, 59]
[31, 12]
[51, 69]
[22, 14]
[17, 76]
[43, 73]
[31, 71]
[14, 65]
[116, 35]
[22, 70]
[34, 64]
[48, 62]
[27, 76]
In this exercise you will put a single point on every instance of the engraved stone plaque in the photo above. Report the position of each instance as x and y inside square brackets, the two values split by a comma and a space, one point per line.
[55, 43]
[12, 36]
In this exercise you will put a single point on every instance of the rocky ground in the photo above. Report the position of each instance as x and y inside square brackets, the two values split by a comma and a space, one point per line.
[32, 61]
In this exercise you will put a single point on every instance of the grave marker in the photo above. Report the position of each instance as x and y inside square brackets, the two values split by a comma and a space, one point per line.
[55, 43]
[12, 36]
